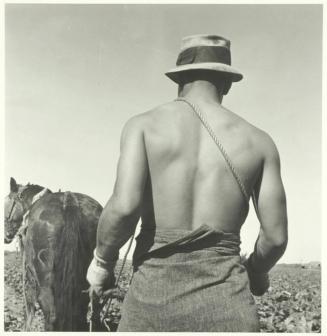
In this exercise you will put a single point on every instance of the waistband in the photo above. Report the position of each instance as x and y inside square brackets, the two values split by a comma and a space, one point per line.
[163, 242]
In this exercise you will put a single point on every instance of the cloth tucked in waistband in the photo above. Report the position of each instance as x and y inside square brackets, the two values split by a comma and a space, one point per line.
[160, 243]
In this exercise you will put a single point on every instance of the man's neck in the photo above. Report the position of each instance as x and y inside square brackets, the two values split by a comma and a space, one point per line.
[201, 90]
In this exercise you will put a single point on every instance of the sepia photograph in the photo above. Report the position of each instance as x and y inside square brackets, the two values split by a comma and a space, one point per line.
[162, 167]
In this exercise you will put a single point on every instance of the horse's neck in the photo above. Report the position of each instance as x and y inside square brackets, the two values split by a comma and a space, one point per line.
[28, 200]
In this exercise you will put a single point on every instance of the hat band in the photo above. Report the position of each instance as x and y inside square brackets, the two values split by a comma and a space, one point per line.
[203, 54]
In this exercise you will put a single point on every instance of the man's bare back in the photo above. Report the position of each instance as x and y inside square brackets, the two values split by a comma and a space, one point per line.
[172, 175]
[191, 182]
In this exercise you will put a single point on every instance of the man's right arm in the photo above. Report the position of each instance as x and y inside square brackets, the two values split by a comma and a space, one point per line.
[271, 211]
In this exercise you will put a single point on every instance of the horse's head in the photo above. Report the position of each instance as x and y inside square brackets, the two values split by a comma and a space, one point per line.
[16, 204]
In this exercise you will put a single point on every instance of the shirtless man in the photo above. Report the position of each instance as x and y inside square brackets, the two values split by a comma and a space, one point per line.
[171, 173]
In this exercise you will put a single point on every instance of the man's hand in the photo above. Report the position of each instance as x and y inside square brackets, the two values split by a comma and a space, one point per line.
[101, 280]
[259, 282]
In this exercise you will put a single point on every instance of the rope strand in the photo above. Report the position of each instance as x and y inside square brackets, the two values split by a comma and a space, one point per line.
[220, 146]
[117, 280]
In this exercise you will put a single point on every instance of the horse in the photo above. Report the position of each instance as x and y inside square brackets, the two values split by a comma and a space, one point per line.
[58, 236]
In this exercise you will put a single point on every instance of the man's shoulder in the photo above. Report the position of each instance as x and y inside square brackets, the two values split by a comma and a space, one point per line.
[265, 144]
[143, 119]
[261, 140]
[159, 110]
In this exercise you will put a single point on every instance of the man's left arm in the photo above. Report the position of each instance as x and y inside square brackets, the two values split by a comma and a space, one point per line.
[122, 212]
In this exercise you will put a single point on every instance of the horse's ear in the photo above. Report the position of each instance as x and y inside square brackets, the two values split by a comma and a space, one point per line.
[13, 185]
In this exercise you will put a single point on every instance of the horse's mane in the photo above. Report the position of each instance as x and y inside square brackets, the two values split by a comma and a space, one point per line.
[30, 190]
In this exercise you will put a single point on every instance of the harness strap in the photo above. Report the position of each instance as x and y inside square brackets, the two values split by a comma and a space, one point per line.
[11, 209]
[219, 145]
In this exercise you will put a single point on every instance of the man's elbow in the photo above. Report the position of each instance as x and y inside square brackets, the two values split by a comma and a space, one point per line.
[275, 238]
[280, 242]
[123, 208]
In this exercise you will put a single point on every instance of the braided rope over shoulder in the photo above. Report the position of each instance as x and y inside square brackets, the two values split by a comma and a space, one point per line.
[219, 145]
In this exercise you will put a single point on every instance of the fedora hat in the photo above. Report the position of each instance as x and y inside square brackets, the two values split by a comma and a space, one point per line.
[204, 52]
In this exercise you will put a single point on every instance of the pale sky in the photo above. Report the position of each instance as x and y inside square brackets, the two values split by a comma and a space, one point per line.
[76, 73]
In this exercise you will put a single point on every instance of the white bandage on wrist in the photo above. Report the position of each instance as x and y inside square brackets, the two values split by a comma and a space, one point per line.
[97, 275]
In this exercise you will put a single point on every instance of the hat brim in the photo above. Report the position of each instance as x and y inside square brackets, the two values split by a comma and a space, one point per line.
[234, 74]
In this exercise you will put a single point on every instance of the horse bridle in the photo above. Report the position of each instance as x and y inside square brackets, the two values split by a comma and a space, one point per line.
[11, 210]
[16, 199]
